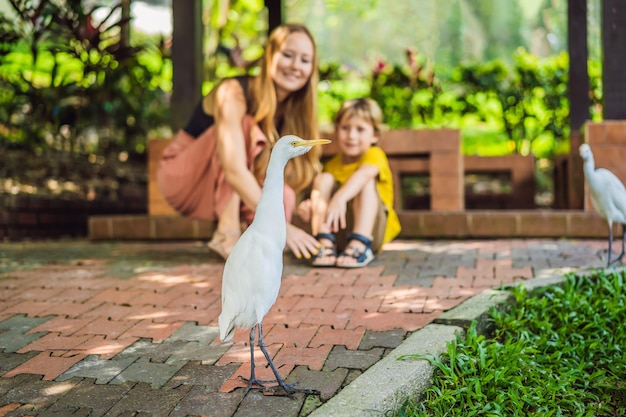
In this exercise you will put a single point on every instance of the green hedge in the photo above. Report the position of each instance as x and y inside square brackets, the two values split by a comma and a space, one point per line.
[70, 86]
[500, 109]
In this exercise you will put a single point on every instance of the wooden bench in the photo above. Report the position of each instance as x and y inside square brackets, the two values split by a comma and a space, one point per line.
[432, 152]
[435, 153]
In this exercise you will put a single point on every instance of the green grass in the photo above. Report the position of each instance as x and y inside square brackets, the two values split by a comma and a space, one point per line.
[556, 352]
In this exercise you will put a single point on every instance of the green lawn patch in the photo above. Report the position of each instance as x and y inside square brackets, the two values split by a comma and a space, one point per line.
[558, 351]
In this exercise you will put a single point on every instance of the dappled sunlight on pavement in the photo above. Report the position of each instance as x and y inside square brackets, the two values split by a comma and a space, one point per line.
[144, 315]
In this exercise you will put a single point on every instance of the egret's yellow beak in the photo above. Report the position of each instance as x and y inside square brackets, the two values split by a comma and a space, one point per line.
[312, 142]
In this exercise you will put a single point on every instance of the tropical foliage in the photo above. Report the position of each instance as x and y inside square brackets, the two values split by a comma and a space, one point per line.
[69, 82]
[525, 103]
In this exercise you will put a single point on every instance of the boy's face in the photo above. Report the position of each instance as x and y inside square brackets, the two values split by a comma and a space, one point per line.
[355, 136]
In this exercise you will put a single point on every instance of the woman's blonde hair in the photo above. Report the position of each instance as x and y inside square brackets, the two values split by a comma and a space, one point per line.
[300, 113]
[365, 108]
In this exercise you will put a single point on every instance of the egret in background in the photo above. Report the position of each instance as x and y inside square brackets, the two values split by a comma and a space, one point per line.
[608, 195]
[253, 270]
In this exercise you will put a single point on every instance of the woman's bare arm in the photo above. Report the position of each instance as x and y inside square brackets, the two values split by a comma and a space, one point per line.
[230, 108]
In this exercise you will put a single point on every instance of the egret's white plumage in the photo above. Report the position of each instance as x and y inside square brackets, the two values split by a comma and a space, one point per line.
[607, 192]
[253, 270]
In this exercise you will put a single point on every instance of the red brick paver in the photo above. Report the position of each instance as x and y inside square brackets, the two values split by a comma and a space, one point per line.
[46, 364]
[4, 410]
[87, 311]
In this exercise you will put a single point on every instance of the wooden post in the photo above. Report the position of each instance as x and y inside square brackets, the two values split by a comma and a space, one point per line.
[614, 47]
[275, 14]
[578, 86]
[578, 94]
[187, 60]
[125, 27]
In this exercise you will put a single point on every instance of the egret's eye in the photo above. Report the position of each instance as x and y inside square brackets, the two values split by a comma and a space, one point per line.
[294, 143]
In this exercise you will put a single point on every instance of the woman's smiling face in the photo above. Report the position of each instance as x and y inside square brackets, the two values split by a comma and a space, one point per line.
[292, 64]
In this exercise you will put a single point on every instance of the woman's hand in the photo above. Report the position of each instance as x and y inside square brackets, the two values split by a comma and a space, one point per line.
[301, 243]
[304, 210]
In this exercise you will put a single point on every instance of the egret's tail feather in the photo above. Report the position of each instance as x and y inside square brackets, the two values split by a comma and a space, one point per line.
[227, 330]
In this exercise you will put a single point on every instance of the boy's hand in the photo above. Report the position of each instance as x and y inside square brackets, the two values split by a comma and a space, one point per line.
[336, 214]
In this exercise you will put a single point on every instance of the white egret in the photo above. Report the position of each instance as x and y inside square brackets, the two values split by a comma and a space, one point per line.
[608, 195]
[253, 270]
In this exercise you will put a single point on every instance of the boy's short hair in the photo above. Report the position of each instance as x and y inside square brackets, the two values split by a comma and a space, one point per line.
[363, 107]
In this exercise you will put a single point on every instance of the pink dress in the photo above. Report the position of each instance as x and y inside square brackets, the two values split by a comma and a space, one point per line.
[192, 180]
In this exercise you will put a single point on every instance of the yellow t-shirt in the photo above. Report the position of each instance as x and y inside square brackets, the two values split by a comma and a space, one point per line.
[384, 182]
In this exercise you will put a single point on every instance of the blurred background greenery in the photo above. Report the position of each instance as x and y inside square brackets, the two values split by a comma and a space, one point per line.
[71, 82]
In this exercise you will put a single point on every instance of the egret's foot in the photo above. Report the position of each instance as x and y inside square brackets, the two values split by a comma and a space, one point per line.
[224, 242]
[290, 389]
[257, 383]
[617, 260]
[603, 256]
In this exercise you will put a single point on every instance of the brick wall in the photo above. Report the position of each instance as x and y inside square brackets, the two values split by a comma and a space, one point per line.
[608, 144]
[26, 216]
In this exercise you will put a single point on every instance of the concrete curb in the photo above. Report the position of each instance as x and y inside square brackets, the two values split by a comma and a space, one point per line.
[391, 379]
[387, 383]
[383, 386]
[475, 309]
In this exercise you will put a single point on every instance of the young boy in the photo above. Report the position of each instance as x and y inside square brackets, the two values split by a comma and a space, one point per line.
[352, 199]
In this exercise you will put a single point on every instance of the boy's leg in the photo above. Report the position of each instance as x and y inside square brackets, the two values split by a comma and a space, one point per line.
[323, 187]
[367, 216]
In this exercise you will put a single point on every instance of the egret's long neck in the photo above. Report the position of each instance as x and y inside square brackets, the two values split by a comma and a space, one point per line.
[271, 201]
[589, 166]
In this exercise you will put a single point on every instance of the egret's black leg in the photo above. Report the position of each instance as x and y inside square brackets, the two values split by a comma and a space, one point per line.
[253, 380]
[621, 255]
[608, 262]
[289, 388]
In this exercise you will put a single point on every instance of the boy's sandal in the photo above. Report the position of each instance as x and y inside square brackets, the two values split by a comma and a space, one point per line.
[325, 251]
[362, 256]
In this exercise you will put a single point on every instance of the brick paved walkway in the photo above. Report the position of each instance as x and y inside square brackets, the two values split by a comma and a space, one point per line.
[130, 329]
